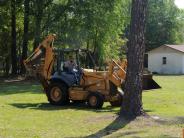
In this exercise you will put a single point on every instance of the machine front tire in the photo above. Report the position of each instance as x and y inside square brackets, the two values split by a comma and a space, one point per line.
[95, 100]
[58, 94]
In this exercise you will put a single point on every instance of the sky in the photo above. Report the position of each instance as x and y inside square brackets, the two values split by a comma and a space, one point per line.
[180, 3]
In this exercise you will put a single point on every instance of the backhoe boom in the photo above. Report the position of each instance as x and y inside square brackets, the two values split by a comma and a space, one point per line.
[42, 59]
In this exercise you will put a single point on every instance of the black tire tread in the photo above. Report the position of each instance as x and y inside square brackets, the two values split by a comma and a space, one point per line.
[100, 100]
[64, 89]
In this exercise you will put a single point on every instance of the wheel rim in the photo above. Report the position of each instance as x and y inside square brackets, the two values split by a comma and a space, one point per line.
[93, 101]
[56, 94]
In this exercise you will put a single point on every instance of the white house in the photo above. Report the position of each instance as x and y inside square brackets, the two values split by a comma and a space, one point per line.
[166, 59]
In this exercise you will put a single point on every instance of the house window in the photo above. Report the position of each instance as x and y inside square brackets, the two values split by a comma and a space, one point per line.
[164, 60]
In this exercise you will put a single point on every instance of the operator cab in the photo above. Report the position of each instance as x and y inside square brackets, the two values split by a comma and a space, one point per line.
[79, 56]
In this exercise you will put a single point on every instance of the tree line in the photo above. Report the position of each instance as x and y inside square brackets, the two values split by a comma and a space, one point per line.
[101, 26]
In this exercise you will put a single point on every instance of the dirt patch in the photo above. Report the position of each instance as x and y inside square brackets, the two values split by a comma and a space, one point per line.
[101, 118]
[178, 120]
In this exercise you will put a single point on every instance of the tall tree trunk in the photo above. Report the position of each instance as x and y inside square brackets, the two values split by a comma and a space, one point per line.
[37, 32]
[7, 66]
[132, 102]
[38, 19]
[13, 33]
[25, 36]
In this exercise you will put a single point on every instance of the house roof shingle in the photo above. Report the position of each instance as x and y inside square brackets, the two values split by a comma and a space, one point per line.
[176, 47]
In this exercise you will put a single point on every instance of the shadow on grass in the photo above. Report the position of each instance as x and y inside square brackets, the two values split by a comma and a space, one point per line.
[117, 124]
[49, 107]
[125, 134]
[19, 87]
[120, 123]
[148, 110]
[75, 106]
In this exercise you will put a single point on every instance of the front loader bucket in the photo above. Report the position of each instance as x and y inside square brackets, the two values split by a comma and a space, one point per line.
[149, 83]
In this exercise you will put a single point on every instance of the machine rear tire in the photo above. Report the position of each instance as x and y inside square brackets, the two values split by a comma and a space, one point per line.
[58, 94]
[117, 103]
[95, 100]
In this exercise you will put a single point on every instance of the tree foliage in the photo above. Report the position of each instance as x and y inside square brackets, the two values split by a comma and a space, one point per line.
[164, 24]
[99, 25]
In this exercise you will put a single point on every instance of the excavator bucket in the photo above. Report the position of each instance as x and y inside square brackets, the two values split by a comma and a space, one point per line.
[149, 83]
[117, 73]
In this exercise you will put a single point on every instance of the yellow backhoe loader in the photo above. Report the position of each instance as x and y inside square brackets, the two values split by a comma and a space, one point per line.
[62, 85]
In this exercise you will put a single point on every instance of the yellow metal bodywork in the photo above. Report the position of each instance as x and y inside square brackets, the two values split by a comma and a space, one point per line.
[91, 80]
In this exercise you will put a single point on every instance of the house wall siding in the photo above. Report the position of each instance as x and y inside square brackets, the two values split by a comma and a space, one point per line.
[174, 65]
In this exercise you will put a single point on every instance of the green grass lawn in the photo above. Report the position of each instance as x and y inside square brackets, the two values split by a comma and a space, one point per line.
[25, 113]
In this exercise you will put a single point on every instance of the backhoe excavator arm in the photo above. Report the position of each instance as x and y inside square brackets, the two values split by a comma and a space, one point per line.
[41, 60]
